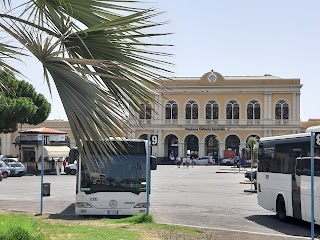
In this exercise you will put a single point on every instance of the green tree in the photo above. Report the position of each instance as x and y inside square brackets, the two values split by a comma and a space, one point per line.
[99, 54]
[20, 103]
[253, 144]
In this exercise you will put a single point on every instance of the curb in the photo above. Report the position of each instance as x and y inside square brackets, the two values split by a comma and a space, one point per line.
[250, 191]
[245, 182]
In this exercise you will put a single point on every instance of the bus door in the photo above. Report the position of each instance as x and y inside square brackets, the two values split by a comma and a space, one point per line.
[296, 183]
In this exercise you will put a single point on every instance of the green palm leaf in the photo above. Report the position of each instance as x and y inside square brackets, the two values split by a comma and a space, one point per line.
[99, 58]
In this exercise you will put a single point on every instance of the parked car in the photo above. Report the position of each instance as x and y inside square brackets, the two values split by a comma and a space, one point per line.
[9, 160]
[229, 161]
[4, 169]
[246, 163]
[0, 176]
[5, 156]
[71, 169]
[204, 160]
[17, 169]
[247, 174]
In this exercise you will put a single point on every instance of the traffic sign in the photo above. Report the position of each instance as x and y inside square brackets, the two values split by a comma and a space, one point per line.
[317, 139]
[46, 140]
[154, 140]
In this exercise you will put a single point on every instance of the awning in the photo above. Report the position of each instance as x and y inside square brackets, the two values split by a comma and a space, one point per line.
[56, 151]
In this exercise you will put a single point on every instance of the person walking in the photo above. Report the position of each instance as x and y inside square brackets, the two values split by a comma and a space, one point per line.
[188, 161]
[192, 161]
[178, 161]
[184, 161]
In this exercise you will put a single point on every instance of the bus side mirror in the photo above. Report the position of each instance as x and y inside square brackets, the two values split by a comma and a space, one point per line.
[153, 163]
[73, 155]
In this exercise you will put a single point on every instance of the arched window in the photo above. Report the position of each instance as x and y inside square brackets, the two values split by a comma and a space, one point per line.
[191, 110]
[144, 136]
[146, 112]
[171, 110]
[212, 110]
[233, 142]
[253, 110]
[232, 110]
[282, 110]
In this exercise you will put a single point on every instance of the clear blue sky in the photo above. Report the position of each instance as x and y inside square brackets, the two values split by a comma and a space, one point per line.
[238, 38]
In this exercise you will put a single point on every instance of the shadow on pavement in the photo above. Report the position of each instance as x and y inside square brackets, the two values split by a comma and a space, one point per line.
[69, 214]
[301, 228]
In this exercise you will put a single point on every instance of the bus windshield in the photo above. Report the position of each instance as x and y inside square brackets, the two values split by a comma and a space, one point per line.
[125, 172]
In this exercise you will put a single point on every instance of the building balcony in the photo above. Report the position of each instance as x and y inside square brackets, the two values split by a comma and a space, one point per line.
[218, 122]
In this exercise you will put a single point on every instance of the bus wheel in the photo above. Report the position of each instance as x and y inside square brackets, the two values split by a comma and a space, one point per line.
[281, 209]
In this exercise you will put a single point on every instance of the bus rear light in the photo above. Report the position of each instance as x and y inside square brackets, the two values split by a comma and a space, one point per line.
[140, 205]
[83, 205]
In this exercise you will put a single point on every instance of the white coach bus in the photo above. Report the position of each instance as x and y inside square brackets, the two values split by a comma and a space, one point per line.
[115, 184]
[283, 178]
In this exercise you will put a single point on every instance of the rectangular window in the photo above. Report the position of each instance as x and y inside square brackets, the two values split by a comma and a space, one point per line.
[208, 111]
[250, 112]
[188, 111]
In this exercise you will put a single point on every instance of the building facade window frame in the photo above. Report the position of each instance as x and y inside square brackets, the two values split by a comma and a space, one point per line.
[171, 110]
[212, 110]
[253, 110]
[146, 113]
[233, 110]
[281, 110]
[191, 110]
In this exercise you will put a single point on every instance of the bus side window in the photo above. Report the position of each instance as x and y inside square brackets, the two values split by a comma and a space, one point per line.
[73, 155]
[298, 164]
[305, 167]
[317, 166]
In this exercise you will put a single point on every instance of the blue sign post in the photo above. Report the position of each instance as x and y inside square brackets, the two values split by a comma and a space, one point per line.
[44, 141]
[42, 173]
[148, 174]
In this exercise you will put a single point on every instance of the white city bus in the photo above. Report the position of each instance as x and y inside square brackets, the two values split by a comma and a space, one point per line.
[283, 178]
[115, 184]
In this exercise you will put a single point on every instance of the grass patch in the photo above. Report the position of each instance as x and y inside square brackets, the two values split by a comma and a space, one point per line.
[27, 227]
[17, 226]
[141, 218]
[14, 227]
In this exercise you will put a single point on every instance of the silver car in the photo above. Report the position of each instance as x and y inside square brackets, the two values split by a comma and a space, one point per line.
[4, 169]
[206, 160]
[17, 169]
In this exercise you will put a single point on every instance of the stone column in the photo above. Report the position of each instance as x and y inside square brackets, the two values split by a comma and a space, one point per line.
[269, 106]
[222, 147]
[201, 149]
[158, 150]
[181, 149]
[298, 106]
[265, 106]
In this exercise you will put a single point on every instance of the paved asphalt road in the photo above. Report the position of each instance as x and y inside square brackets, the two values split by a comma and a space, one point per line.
[201, 196]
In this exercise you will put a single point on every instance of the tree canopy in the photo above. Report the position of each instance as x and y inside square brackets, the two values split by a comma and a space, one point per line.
[101, 56]
[20, 103]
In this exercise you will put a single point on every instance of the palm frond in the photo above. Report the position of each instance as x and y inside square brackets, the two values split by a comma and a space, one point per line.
[99, 59]
[9, 52]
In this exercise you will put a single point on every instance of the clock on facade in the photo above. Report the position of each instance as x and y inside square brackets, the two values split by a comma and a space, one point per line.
[212, 77]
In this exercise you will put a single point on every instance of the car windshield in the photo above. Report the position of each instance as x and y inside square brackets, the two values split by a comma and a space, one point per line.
[116, 173]
[14, 165]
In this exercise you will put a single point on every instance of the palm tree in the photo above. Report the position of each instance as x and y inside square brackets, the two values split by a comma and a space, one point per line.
[253, 144]
[96, 54]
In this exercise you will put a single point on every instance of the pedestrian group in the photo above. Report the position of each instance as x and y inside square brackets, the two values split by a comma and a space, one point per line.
[185, 161]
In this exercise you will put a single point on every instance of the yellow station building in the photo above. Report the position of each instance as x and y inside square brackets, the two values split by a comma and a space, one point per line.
[205, 115]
